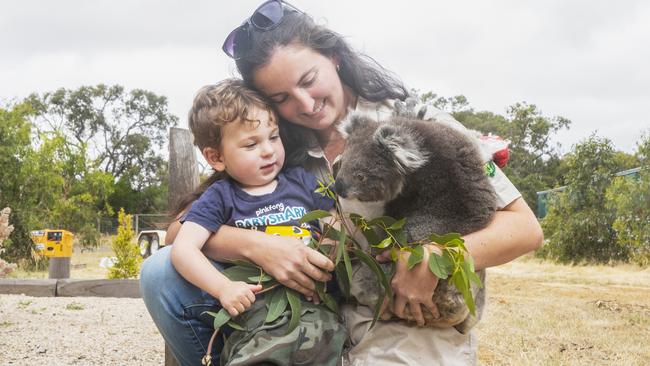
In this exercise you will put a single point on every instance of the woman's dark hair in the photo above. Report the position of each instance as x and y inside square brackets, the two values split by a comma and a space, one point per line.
[184, 203]
[361, 73]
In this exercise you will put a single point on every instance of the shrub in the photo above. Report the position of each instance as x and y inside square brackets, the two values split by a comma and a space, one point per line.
[579, 223]
[5, 230]
[126, 250]
[629, 197]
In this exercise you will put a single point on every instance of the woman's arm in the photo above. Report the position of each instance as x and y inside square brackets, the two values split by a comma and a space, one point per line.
[514, 231]
[287, 259]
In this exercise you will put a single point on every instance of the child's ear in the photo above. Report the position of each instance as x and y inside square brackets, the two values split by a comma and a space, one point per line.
[214, 159]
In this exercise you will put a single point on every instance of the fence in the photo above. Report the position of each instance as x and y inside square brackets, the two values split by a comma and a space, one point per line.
[543, 196]
[108, 225]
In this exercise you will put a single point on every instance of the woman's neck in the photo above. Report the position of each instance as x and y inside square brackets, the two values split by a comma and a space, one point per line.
[330, 139]
[332, 142]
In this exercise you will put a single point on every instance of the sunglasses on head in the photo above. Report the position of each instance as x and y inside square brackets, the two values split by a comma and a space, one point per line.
[266, 17]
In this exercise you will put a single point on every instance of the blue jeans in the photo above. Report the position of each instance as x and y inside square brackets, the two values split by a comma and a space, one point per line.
[176, 306]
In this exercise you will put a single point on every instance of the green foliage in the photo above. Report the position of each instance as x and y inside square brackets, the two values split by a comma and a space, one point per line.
[579, 224]
[629, 197]
[534, 161]
[48, 182]
[126, 133]
[126, 250]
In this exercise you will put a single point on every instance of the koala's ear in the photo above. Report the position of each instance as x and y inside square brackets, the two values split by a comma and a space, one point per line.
[404, 148]
[354, 122]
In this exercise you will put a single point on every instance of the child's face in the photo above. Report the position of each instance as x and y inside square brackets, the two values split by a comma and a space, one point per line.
[251, 153]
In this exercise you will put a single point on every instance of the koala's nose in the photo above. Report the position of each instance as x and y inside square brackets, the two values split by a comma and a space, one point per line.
[340, 188]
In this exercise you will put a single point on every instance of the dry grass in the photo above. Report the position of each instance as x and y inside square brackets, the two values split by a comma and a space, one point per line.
[547, 314]
[83, 265]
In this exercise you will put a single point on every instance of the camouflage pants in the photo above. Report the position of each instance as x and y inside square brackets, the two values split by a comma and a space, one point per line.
[319, 339]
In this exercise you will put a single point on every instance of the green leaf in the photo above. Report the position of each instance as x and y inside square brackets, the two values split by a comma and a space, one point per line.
[468, 268]
[340, 248]
[438, 266]
[443, 239]
[356, 218]
[348, 265]
[243, 263]
[384, 243]
[220, 318]
[314, 215]
[237, 273]
[393, 254]
[326, 298]
[448, 260]
[401, 238]
[384, 221]
[343, 279]
[456, 243]
[462, 284]
[277, 304]
[371, 236]
[296, 308]
[397, 224]
[236, 326]
[260, 278]
[416, 256]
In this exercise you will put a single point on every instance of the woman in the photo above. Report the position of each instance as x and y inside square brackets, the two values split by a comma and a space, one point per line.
[314, 79]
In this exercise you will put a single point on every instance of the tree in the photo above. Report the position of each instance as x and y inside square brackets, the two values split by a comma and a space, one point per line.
[124, 130]
[534, 160]
[15, 144]
[578, 226]
[48, 183]
[630, 198]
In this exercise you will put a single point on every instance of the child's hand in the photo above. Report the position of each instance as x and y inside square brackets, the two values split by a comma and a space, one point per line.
[238, 296]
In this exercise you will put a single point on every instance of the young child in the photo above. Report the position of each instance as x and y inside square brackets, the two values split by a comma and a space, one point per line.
[237, 132]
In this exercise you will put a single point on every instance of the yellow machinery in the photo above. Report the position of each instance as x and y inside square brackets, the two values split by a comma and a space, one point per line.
[52, 243]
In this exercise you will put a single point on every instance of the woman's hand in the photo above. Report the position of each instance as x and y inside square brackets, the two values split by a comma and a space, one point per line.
[293, 264]
[414, 287]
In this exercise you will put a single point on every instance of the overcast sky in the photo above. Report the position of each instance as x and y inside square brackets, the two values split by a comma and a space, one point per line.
[588, 61]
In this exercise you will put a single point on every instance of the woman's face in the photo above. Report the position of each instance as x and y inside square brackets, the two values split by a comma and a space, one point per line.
[305, 87]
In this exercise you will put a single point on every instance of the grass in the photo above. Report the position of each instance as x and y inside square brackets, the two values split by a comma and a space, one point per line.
[74, 306]
[547, 314]
[83, 265]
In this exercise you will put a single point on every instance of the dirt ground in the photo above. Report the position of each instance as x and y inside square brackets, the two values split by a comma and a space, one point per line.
[538, 314]
[77, 331]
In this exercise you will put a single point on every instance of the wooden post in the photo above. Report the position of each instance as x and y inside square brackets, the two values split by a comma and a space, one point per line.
[183, 172]
[183, 179]
[59, 267]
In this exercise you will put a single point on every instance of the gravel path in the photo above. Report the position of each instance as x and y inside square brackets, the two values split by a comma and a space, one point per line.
[77, 331]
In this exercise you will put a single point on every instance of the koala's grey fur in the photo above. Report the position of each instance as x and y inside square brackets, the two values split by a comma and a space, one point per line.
[432, 175]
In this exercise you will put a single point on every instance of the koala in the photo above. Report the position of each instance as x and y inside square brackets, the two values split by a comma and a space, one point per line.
[432, 175]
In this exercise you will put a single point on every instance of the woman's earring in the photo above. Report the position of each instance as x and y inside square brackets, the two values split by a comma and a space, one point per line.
[338, 67]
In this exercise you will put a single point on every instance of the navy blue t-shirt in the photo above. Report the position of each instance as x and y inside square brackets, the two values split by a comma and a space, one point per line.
[225, 203]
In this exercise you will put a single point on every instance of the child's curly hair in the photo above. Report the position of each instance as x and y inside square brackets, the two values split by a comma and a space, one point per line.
[215, 105]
